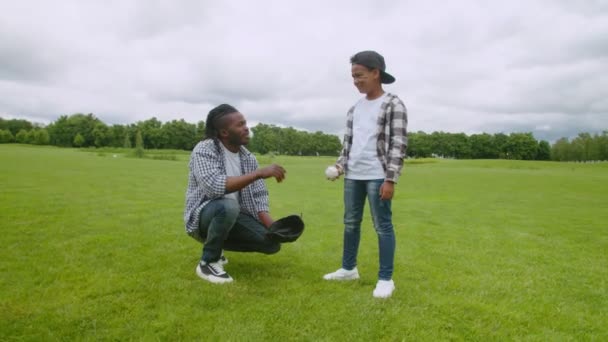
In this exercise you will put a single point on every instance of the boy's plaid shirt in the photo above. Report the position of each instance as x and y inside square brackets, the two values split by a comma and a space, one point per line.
[392, 137]
[207, 181]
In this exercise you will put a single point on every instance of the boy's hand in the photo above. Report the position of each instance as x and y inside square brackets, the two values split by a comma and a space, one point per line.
[332, 173]
[387, 189]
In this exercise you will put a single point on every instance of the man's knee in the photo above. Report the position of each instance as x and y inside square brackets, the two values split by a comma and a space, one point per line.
[224, 212]
[228, 207]
[221, 206]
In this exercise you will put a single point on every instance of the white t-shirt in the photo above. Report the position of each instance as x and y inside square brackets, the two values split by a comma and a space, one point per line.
[233, 168]
[363, 162]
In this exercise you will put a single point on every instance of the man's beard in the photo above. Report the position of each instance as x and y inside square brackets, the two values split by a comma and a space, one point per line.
[236, 139]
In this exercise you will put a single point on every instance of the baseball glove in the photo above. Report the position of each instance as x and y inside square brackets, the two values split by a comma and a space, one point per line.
[286, 229]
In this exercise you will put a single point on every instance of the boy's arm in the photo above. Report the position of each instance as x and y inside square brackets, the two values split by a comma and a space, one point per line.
[398, 141]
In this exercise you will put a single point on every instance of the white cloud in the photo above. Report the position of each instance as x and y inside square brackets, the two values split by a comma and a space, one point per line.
[466, 66]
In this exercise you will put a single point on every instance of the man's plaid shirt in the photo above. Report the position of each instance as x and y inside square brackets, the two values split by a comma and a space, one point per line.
[207, 181]
[392, 137]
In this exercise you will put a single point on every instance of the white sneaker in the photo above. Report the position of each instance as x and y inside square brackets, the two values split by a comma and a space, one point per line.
[343, 274]
[384, 288]
[213, 272]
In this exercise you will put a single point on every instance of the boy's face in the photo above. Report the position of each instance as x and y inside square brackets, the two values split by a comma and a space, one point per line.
[365, 80]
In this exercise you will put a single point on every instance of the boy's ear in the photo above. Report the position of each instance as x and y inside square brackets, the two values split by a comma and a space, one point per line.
[376, 73]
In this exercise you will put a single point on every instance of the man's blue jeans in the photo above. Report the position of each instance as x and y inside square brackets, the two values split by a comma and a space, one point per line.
[223, 226]
[355, 192]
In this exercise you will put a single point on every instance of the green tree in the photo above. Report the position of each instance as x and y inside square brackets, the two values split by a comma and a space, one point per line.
[319, 143]
[560, 150]
[78, 140]
[419, 145]
[116, 135]
[15, 125]
[500, 143]
[265, 138]
[6, 136]
[101, 135]
[21, 136]
[127, 141]
[31, 137]
[61, 133]
[41, 137]
[64, 130]
[544, 151]
[603, 145]
[139, 145]
[200, 131]
[179, 134]
[152, 134]
[291, 143]
[521, 146]
[483, 146]
[460, 147]
[438, 144]
[330, 146]
[582, 146]
[274, 139]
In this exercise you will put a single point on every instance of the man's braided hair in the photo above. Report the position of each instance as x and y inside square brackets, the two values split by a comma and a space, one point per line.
[214, 118]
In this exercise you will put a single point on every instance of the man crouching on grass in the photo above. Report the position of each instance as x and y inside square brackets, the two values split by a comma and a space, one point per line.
[227, 200]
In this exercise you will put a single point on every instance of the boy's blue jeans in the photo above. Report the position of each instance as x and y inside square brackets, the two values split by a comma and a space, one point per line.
[355, 193]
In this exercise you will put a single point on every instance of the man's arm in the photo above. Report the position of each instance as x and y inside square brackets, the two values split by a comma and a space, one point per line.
[205, 166]
[237, 183]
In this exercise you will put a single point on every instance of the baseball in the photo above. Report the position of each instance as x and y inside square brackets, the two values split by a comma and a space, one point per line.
[331, 172]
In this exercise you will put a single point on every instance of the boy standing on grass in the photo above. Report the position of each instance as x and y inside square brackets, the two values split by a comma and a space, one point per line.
[227, 200]
[371, 159]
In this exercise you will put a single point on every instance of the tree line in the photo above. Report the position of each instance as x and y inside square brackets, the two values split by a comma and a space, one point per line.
[86, 130]
[582, 148]
[520, 146]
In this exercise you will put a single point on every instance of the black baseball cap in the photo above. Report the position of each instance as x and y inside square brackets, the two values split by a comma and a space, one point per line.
[373, 60]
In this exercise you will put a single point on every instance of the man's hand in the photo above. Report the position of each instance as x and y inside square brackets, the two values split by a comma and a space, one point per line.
[265, 218]
[387, 189]
[274, 170]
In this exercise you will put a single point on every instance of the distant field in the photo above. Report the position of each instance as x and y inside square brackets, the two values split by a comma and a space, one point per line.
[93, 247]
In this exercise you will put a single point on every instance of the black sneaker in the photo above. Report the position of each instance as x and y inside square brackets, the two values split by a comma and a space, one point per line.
[213, 272]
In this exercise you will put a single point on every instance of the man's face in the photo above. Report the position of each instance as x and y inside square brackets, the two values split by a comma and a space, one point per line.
[235, 130]
[364, 79]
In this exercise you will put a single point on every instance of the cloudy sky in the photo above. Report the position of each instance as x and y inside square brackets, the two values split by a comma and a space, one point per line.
[461, 66]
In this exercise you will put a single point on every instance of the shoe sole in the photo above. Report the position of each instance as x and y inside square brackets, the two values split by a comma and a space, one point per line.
[384, 297]
[355, 277]
[211, 278]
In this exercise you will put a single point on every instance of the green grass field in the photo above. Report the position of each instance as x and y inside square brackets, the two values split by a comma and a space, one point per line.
[93, 247]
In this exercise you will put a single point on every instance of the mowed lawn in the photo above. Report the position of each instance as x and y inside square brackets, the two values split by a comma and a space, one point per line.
[93, 247]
